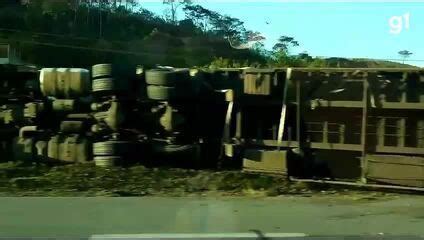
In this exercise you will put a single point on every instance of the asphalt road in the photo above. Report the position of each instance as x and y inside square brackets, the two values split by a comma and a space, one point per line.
[317, 215]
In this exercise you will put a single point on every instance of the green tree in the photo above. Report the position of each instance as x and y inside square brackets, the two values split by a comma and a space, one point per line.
[229, 27]
[405, 54]
[318, 63]
[284, 43]
[280, 55]
[92, 31]
[200, 16]
[174, 5]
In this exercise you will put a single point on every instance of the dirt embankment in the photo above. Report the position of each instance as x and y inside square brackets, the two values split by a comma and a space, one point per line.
[87, 180]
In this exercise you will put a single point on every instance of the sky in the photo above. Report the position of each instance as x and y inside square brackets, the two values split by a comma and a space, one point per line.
[351, 29]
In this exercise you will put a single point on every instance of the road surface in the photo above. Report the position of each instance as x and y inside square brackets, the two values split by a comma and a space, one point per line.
[316, 215]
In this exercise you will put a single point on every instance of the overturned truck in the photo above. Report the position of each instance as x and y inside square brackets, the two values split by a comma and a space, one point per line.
[329, 123]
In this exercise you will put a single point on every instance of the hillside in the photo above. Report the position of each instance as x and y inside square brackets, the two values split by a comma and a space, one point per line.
[70, 33]
[364, 63]
[60, 33]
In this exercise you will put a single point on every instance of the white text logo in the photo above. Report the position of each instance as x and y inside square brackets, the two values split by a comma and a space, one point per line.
[398, 23]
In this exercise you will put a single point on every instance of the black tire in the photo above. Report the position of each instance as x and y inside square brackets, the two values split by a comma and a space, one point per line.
[174, 148]
[103, 84]
[187, 155]
[161, 92]
[102, 70]
[107, 161]
[164, 93]
[110, 85]
[111, 148]
[167, 77]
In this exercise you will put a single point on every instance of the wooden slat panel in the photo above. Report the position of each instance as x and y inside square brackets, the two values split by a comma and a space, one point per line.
[401, 150]
[271, 143]
[401, 132]
[342, 130]
[400, 70]
[336, 146]
[341, 104]
[402, 105]
[364, 124]
[325, 132]
[381, 131]
[239, 123]
[255, 160]
[315, 145]
[396, 169]
[258, 83]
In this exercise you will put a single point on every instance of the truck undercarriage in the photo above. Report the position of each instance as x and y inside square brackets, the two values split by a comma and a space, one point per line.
[346, 125]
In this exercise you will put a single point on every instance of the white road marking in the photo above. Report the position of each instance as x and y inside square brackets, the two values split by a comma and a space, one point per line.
[195, 235]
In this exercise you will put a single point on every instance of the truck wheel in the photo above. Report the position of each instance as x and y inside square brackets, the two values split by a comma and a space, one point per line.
[103, 84]
[101, 70]
[107, 161]
[164, 93]
[167, 77]
[173, 148]
[161, 92]
[109, 84]
[186, 154]
[111, 148]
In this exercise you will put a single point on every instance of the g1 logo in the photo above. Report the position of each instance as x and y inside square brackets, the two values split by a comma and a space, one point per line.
[397, 23]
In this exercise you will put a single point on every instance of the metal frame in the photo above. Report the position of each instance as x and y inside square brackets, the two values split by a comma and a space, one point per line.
[367, 107]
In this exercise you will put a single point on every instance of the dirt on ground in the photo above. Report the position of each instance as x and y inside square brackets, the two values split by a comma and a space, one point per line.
[20, 179]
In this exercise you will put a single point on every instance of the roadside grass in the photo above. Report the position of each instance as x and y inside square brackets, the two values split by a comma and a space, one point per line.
[20, 179]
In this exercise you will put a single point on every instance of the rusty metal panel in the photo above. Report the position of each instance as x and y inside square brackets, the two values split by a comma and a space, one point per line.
[396, 169]
[257, 83]
[264, 82]
[255, 160]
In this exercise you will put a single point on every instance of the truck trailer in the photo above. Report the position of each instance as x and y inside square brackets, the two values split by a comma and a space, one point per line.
[340, 124]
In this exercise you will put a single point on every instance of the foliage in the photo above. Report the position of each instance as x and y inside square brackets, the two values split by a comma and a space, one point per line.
[260, 49]
[201, 17]
[92, 31]
[284, 43]
[80, 33]
[318, 63]
[282, 59]
[229, 63]
[220, 63]
[88, 180]
[405, 54]
[174, 5]
[280, 56]
[230, 27]
[213, 23]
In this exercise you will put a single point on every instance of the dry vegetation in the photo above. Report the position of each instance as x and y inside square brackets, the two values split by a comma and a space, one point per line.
[17, 179]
